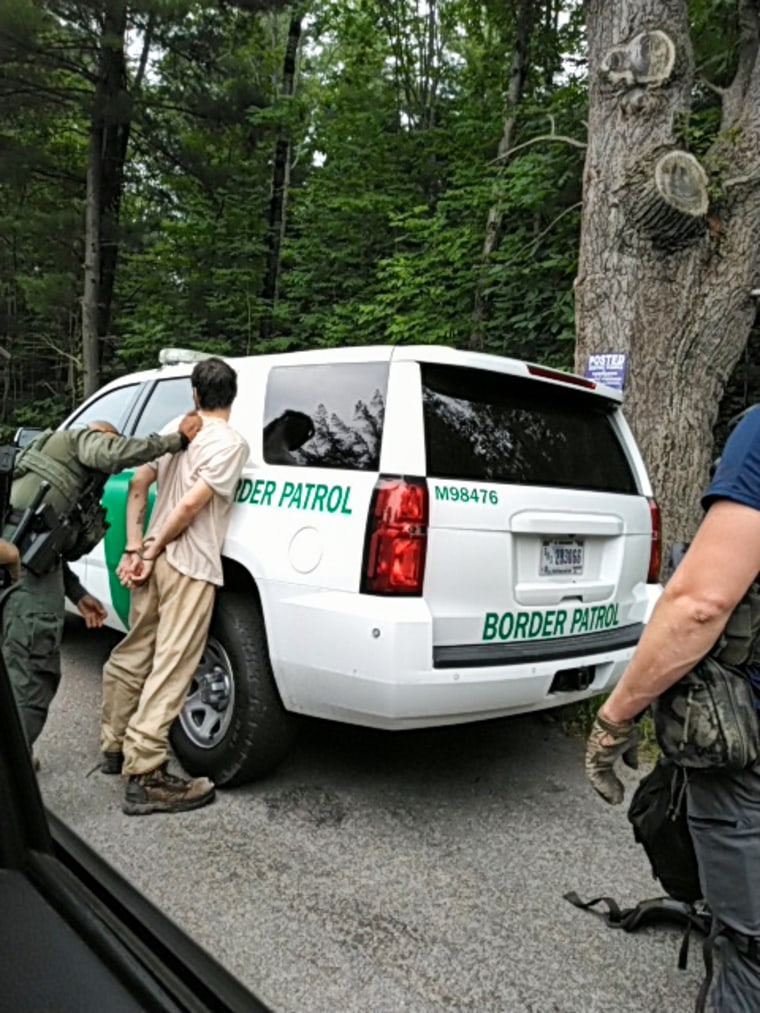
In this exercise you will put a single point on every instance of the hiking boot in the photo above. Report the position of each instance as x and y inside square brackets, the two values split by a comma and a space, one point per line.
[112, 762]
[162, 792]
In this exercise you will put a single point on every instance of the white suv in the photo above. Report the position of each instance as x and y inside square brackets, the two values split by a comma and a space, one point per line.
[422, 536]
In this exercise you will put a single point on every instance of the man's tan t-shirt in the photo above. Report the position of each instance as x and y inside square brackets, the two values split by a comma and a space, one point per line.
[217, 455]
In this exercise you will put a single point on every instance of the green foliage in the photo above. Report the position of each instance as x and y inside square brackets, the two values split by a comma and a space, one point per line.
[41, 189]
[714, 36]
[424, 290]
[393, 130]
[387, 231]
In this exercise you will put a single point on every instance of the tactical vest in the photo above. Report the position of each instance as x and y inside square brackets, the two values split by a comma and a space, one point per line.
[708, 719]
[739, 644]
[82, 515]
[32, 459]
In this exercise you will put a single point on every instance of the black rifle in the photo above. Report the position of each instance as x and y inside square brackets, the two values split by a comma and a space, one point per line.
[41, 534]
[29, 516]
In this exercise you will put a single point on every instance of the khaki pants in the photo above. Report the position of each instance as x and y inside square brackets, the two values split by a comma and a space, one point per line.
[147, 676]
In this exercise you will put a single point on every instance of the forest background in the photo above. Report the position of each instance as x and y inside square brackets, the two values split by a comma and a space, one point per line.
[244, 177]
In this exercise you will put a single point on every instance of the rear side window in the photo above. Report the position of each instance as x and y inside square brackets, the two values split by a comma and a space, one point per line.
[168, 399]
[492, 427]
[326, 416]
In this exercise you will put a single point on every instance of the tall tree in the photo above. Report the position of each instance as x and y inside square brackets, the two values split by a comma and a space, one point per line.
[42, 158]
[280, 181]
[670, 245]
[518, 73]
[199, 186]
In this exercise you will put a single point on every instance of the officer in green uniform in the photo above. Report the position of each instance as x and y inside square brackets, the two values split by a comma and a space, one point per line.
[75, 465]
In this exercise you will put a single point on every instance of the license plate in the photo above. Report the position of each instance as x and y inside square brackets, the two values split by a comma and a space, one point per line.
[563, 556]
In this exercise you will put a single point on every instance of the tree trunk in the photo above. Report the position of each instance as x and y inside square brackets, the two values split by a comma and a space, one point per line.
[10, 328]
[109, 134]
[668, 253]
[114, 155]
[91, 292]
[280, 181]
[495, 220]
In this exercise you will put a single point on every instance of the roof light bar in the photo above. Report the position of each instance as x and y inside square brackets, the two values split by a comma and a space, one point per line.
[175, 356]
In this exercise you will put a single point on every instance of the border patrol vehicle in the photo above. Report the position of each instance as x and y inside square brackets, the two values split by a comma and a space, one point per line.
[422, 536]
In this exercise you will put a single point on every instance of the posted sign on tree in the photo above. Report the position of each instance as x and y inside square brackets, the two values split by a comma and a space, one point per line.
[609, 369]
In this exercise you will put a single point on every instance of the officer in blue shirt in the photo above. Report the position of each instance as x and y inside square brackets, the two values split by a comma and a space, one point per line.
[723, 805]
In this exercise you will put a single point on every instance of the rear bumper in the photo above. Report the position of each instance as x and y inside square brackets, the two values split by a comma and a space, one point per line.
[370, 661]
[556, 649]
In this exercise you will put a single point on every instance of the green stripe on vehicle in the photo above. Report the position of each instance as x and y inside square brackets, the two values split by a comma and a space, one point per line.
[115, 504]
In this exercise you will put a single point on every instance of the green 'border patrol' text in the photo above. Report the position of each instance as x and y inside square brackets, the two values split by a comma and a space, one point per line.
[536, 625]
[315, 496]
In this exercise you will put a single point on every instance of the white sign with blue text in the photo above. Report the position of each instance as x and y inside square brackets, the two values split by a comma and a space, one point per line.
[608, 368]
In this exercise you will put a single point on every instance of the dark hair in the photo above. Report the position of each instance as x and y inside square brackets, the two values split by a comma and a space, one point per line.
[216, 383]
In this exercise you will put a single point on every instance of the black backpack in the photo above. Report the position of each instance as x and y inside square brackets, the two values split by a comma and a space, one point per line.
[657, 814]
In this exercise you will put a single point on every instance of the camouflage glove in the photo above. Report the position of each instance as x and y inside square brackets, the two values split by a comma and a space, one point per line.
[607, 741]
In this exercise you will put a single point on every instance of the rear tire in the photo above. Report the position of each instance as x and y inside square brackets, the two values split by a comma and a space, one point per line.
[240, 732]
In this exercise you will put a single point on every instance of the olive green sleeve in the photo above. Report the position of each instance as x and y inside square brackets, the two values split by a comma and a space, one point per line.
[72, 587]
[111, 454]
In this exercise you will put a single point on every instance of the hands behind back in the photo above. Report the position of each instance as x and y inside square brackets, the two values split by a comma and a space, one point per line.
[134, 569]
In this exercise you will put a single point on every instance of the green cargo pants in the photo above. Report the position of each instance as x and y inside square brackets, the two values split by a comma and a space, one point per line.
[32, 625]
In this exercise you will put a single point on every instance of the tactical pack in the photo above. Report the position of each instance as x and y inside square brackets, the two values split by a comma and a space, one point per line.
[648, 913]
[708, 719]
[657, 814]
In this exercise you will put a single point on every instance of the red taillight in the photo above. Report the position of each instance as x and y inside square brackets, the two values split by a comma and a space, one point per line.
[655, 552]
[394, 550]
[556, 374]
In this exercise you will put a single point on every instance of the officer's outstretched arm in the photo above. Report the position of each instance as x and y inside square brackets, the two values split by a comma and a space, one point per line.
[111, 454]
[690, 615]
[105, 452]
[720, 565]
